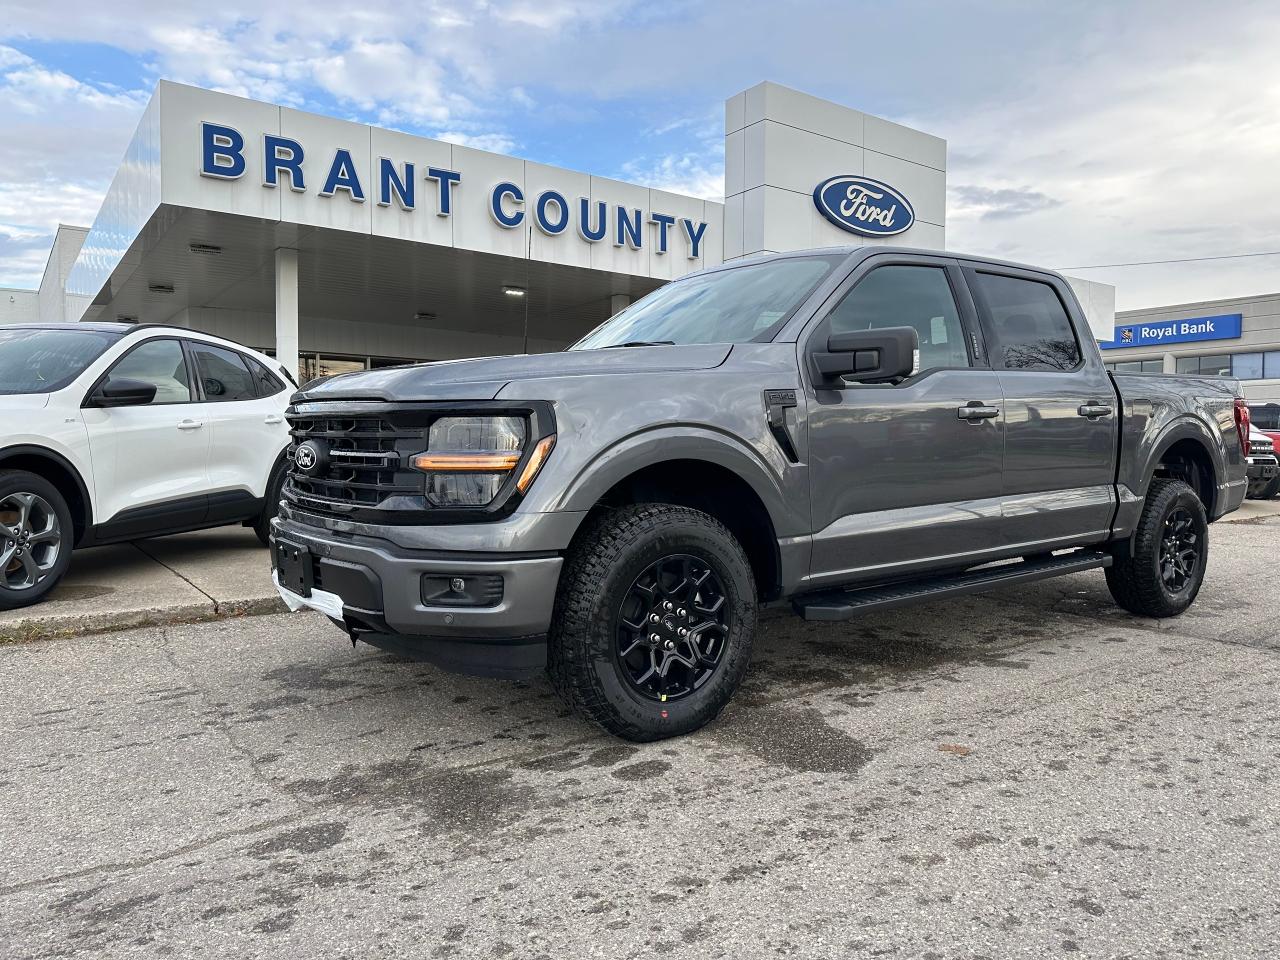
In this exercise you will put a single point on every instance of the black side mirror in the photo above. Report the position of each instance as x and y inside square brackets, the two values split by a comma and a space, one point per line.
[867, 356]
[123, 392]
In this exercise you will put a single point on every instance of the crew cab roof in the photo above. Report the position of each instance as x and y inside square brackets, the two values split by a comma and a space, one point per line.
[860, 251]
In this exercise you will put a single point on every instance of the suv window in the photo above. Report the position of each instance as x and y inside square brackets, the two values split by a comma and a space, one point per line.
[222, 373]
[268, 383]
[907, 296]
[1029, 324]
[160, 362]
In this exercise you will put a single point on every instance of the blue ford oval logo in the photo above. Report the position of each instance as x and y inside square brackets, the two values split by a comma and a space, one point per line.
[864, 206]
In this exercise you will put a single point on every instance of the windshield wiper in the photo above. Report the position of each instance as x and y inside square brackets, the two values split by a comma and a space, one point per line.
[642, 343]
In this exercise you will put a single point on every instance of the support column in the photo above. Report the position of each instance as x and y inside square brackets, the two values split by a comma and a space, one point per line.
[287, 309]
[618, 302]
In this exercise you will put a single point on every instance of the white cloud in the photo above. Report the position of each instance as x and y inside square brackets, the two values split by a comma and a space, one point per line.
[493, 142]
[695, 175]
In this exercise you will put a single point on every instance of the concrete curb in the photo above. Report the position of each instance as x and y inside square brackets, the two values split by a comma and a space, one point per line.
[33, 628]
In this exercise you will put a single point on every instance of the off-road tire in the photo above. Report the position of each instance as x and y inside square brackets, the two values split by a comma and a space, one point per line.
[271, 503]
[1135, 580]
[601, 567]
[21, 481]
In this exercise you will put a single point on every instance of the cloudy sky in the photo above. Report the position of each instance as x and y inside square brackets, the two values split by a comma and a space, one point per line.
[1079, 133]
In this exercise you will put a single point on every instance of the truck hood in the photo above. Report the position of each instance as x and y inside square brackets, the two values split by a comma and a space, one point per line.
[484, 377]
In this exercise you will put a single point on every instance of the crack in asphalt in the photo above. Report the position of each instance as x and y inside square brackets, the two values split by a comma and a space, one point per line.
[141, 862]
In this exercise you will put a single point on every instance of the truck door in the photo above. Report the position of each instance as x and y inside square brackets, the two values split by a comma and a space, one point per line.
[906, 476]
[1060, 416]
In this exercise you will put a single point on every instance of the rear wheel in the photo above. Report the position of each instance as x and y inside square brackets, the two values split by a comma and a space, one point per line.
[1170, 549]
[36, 536]
[654, 621]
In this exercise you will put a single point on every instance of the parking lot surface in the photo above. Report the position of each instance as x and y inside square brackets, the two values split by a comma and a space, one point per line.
[1031, 773]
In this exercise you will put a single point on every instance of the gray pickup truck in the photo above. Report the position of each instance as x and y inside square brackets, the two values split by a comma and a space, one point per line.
[841, 429]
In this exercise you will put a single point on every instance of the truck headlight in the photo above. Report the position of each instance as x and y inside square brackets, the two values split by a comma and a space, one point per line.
[469, 458]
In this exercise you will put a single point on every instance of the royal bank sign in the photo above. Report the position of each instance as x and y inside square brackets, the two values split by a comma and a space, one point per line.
[1221, 327]
[334, 175]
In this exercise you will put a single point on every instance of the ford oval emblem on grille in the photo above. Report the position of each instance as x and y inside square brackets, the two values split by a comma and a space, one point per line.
[308, 457]
[864, 206]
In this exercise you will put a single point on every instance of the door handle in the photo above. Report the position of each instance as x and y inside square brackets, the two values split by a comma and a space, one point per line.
[1093, 410]
[273, 418]
[190, 425]
[976, 410]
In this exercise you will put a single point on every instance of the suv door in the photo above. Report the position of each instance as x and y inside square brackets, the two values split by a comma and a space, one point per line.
[150, 462]
[906, 476]
[247, 429]
[1060, 433]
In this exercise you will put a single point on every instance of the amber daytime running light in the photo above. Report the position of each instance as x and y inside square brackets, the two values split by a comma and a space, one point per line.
[488, 462]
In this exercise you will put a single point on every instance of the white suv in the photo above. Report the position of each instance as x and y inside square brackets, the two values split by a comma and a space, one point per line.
[115, 431]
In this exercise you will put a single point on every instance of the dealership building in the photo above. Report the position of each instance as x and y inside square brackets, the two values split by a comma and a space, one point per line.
[337, 245]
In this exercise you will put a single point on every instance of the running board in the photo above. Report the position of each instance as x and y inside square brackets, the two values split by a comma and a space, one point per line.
[845, 604]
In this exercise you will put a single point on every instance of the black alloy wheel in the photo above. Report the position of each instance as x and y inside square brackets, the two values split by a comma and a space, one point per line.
[1179, 551]
[672, 628]
[1159, 570]
[653, 623]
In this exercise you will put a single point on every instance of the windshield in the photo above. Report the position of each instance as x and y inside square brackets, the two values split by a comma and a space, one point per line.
[726, 306]
[43, 360]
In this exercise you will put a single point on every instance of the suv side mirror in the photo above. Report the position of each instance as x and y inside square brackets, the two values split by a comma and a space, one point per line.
[123, 392]
[867, 356]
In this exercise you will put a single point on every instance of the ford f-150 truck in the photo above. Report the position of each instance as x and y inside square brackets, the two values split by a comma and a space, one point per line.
[844, 429]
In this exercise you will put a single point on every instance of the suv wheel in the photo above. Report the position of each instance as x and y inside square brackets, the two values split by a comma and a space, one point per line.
[1170, 550]
[36, 537]
[654, 621]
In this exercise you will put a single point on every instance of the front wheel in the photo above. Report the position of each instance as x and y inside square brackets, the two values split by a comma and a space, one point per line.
[1166, 565]
[36, 537]
[653, 621]
[271, 504]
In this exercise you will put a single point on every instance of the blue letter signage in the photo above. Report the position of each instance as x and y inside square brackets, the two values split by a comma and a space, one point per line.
[225, 155]
[863, 206]
[1223, 327]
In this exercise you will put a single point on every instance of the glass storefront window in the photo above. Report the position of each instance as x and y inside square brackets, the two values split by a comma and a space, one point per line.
[1188, 365]
[1246, 366]
[1271, 364]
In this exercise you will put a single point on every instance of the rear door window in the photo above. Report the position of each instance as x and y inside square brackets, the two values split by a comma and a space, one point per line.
[1027, 323]
[222, 373]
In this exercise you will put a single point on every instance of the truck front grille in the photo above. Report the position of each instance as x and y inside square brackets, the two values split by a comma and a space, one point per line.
[363, 464]
[1261, 446]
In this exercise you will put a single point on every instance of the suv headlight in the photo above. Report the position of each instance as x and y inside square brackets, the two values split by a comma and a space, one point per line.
[469, 458]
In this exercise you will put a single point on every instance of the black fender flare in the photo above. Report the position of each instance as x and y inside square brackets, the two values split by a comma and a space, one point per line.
[667, 443]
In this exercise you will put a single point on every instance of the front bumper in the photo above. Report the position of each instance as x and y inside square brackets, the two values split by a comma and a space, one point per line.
[1263, 468]
[383, 601]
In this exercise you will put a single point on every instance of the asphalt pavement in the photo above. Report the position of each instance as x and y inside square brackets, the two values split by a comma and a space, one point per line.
[1027, 774]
